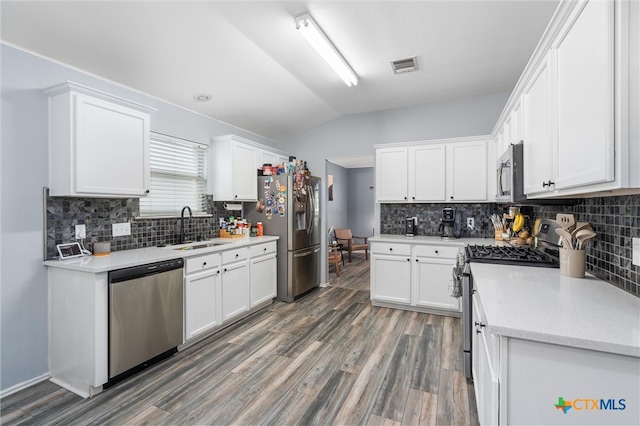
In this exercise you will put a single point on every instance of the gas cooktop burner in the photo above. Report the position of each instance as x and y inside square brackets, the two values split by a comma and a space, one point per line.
[510, 255]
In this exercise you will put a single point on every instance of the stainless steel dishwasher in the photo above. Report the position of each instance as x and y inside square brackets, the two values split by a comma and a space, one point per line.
[145, 316]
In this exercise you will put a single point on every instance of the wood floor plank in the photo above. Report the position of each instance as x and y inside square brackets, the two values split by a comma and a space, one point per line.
[426, 370]
[324, 407]
[429, 413]
[150, 416]
[451, 343]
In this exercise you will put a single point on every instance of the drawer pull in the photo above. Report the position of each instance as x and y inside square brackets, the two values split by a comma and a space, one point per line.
[436, 251]
[408, 260]
[237, 254]
[390, 248]
[204, 263]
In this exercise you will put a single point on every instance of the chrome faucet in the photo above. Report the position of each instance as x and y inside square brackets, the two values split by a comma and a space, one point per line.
[182, 222]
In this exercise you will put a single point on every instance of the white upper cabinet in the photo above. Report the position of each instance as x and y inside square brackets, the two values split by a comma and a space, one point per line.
[452, 171]
[578, 101]
[98, 144]
[538, 134]
[585, 94]
[427, 173]
[467, 171]
[233, 175]
[391, 174]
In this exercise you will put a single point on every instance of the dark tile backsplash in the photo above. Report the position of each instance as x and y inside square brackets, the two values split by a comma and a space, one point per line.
[392, 218]
[616, 220]
[98, 214]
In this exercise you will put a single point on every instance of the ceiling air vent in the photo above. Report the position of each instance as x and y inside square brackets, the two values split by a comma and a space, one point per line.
[404, 65]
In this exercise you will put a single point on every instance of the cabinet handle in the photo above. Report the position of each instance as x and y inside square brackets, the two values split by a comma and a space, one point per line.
[225, 269]
[265, 249]
[436, 251]
[147, 191]
[408, 260]
[479, 324]
[237, 254]
[235, 196]
[451, 197]
[405, 198]
[549, 183]
[413, 198]
[390, 248]
[416, 260]
[204, 263]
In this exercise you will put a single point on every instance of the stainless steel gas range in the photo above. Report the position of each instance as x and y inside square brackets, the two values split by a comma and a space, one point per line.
[545, 255]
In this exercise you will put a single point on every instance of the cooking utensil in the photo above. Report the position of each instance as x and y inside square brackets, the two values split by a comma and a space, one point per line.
[567, 241]
[579, 226]
[566, 220]
[582, 236]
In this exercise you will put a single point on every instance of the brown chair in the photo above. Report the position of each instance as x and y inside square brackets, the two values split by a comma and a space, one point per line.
[335, 257]
[345, 238]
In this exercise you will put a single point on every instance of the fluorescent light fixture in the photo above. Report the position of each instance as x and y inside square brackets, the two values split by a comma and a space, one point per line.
[319, 41]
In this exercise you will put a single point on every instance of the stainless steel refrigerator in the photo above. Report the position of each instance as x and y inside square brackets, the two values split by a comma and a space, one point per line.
[289, 206]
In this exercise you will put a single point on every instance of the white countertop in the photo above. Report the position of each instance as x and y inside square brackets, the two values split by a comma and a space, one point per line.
[127, 258]
[539, 304]
[461, 242]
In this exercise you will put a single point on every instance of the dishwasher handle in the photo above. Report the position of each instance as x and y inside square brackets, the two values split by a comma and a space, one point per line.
[134, 272]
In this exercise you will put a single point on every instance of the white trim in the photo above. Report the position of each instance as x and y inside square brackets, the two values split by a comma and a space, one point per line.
[21, 386]
[479, 138]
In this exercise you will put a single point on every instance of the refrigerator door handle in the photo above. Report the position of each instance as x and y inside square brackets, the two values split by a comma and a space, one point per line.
[310, 210]
[306, 253]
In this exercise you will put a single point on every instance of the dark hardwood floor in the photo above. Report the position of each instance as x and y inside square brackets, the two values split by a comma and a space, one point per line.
[329, 358]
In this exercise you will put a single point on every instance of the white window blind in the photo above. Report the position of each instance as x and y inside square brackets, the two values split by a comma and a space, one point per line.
[178, 177]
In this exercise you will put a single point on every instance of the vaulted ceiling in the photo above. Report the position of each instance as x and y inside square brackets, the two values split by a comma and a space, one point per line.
[262, 76]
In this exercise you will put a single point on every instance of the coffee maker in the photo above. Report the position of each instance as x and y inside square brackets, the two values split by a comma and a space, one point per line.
[411, 226]
[447, 224]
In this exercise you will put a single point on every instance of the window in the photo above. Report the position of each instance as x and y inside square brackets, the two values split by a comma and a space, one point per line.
[178, 177]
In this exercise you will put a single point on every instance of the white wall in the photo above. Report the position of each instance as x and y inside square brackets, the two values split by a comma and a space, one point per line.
[337, 210]
[23, 174]
[362, 201]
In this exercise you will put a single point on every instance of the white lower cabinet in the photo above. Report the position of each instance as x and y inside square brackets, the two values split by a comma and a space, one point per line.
[413, 277]
[235, 283]
[521, 381]
[263, 271]
[203, 295]
[484, 370]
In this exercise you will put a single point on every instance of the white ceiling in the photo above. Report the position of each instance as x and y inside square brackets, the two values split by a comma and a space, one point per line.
[262, 75]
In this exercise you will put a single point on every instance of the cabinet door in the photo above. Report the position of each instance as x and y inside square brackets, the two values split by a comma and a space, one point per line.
[427, 173]
[468, 171]
[432, 279]
[266, 157]
[516, 125]
[264, 279]
[485, 377]
[202, 302]
[585, 94]
[111, 148]
[391, 174]
[245, 175]
[391, 279]
[235, 289]
[282, 159]
[539, 141]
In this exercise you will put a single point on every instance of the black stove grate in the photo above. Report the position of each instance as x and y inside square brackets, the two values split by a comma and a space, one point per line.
[509, 255]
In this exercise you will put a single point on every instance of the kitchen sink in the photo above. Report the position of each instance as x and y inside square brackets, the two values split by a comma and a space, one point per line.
[194, 246]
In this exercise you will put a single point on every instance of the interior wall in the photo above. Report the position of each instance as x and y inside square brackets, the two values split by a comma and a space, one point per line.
[337, 210]
[362, 200]
[24, 174]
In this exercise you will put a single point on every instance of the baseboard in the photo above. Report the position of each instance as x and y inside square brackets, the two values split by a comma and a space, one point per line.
[20, 386]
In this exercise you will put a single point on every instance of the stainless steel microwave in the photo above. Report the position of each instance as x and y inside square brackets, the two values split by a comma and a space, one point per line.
[509, 175]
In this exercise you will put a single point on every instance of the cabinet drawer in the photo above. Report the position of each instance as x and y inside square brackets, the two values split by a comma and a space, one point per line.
[200, 263]
[234, 255]
[391, 248]
[437, 251]
[261, 249]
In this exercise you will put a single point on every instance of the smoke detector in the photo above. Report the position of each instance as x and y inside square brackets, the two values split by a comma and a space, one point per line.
[400, 66]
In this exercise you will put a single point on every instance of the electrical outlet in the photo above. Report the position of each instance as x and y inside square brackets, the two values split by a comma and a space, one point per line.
[470, 222]
[120, 229]
[81, 232]
[636, 251]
